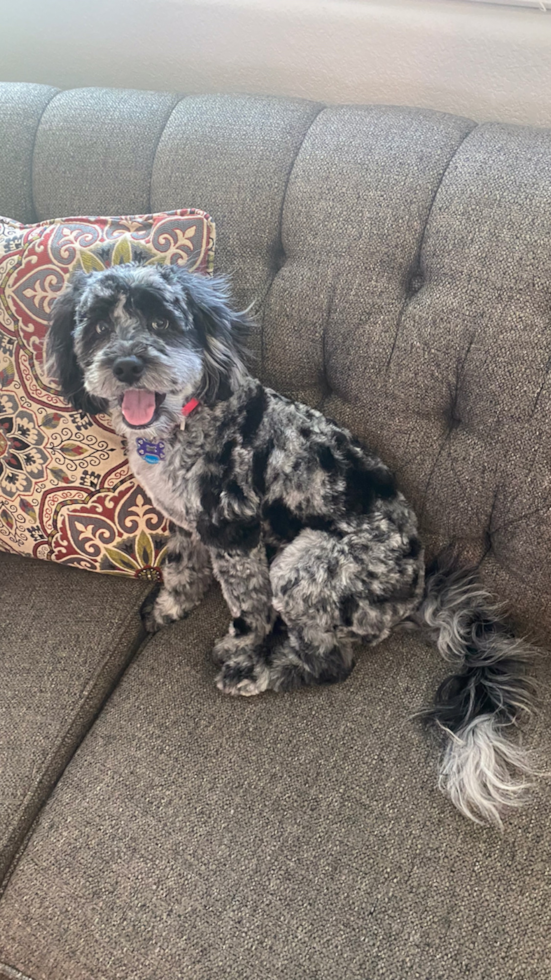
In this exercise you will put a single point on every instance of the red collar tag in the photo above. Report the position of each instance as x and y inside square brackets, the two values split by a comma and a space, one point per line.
[190, 407]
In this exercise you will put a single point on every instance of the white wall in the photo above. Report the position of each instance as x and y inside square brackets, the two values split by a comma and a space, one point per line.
[473, 59]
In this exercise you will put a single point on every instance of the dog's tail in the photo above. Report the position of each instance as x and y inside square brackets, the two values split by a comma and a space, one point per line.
[477, 708]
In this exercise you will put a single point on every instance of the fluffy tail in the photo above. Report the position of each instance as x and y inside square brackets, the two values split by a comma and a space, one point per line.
[478, 707]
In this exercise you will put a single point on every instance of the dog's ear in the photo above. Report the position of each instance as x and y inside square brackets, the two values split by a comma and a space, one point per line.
[221, 331]
[60, 359]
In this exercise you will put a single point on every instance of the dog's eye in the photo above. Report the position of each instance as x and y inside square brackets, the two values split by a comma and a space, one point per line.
[160, 324]
[102, 328]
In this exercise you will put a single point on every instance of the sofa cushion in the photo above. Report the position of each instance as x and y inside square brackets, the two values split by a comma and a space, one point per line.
[286, 836]
[66, 492]
[237, 153]
[94, 151]
[65, 636]
[21, 109]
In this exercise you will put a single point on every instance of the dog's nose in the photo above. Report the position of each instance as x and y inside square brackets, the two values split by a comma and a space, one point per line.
[128, 369]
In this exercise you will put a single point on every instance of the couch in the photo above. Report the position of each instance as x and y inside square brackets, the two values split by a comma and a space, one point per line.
[399, 261]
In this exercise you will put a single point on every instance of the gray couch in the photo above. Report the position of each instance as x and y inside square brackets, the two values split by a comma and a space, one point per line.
[151, 829]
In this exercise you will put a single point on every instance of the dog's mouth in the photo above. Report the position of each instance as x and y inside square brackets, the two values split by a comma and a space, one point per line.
[141, 407]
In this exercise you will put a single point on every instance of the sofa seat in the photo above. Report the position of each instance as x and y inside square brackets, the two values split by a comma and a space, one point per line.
[286, 837]
[65, 637]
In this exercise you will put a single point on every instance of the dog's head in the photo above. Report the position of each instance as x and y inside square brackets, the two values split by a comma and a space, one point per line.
[140, 341]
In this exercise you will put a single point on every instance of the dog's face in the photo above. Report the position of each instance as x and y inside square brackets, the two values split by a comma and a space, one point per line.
[140, 341]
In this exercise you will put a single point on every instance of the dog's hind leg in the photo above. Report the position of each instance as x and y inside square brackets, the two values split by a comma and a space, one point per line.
[187, 574]
[307, 656]
[307, 647]
[314, 648]
[330, 590]
[327, 590]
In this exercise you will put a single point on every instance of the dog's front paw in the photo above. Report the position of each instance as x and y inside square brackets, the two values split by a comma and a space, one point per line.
[147, 610]
[160, 608]
[226, 648]
[242, 676]
[243, 668]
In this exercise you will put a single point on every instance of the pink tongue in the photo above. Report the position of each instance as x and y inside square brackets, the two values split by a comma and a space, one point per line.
[138, 406]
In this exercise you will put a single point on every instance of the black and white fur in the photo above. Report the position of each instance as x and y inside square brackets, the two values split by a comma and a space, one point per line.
[312, 543]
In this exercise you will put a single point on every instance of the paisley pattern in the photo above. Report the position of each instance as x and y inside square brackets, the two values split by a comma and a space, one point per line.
[66, 492]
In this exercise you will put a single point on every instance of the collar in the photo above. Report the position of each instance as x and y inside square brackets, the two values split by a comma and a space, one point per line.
[189, 407]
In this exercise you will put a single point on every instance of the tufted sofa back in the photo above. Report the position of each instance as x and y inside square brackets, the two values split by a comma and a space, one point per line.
[399, 261]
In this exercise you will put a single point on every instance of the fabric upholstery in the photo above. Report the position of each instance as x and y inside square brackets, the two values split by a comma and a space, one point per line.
[285, 836]
[66, 491]
[94, 151]
[64, 639]
[21, 109]
[237, 153]
[354, 214]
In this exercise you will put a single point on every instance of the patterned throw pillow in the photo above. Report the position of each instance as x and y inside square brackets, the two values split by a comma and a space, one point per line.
[66, 492]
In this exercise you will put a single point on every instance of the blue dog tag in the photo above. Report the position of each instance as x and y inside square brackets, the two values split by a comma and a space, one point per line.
[152, 452]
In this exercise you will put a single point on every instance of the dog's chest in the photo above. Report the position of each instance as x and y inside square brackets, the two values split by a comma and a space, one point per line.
[171, 481]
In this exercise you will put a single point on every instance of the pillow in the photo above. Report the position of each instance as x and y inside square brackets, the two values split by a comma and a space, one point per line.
[66, 492]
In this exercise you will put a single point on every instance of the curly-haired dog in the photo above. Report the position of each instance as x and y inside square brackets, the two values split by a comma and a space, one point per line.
[313, 545]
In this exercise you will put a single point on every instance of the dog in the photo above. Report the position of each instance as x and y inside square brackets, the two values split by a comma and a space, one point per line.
[313, 544]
